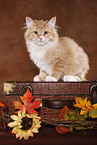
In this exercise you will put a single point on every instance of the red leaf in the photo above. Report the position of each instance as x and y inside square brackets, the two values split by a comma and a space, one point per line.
[31, 106]
[62, 129]
[63, 111]
[31, 110]
[36, 104]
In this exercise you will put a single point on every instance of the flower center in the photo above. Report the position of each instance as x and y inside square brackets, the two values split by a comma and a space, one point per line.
[26, 123]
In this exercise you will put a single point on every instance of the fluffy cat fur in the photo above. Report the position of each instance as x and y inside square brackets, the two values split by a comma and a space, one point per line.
[56, 57]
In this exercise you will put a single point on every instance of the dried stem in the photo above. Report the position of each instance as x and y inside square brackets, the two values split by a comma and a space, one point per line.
[69, 123]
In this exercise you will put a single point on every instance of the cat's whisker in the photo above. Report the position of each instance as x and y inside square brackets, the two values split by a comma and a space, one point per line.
[25, 27]
[57, 27]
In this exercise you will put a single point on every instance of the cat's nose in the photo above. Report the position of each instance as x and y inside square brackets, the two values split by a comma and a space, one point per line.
[41, 38]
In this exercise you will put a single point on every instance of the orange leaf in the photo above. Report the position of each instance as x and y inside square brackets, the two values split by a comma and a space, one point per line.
[63, 111]
[27, 97]
[17, 104]
[62, 129]
[2, 104]
[28, 94]
[27, 103]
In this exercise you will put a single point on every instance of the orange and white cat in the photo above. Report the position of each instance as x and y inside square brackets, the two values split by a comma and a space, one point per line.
[56, 57]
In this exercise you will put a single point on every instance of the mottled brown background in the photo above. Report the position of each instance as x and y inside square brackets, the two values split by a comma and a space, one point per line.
[78, 20]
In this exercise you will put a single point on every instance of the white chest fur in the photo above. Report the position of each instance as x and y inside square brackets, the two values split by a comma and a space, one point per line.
[38, 56]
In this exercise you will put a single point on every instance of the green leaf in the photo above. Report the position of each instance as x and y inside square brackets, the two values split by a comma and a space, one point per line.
[72, 113]
[81, 117]
[74, 117]
[66, 117]
[93, 113]
[80, 128]
[71, 129]
[86, 115]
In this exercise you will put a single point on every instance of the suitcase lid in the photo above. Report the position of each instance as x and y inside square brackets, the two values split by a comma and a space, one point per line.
[52, 94]
[49, 88]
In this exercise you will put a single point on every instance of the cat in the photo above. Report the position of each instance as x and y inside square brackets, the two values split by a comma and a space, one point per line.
[58, 58]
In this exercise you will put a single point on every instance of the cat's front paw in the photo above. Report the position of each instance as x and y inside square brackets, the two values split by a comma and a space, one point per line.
[36, 79]
[50, 79]
[70, 78]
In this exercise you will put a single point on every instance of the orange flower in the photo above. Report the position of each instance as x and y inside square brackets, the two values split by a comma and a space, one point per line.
[28, 105]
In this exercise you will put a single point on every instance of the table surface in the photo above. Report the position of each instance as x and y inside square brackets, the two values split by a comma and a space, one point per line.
[48, 135]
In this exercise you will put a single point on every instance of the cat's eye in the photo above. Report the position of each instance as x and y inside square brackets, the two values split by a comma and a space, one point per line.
[46, 32]
[35, 32]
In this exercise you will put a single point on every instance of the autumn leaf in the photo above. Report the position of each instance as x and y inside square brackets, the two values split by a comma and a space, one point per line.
[18, 105]
[80, 128]
[63, 111]
[80, 103]
[85, 105]
[31, 106]
[66, 116]
[27, 98]
[62, 129]
[3, 104]
[93, 113]
[27, 103]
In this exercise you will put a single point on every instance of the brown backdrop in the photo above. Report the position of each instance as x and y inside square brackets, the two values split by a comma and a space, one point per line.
[78, 20]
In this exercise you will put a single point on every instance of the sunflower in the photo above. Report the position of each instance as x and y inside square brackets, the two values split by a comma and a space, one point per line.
[25, 125]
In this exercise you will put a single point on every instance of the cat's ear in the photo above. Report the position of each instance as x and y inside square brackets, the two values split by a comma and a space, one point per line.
[52, 22]
[29, 22]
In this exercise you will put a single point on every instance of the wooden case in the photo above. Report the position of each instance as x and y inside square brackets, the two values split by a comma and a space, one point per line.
[53, 96]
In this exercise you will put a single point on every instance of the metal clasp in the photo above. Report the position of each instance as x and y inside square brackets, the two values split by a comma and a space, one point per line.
[24, 89]
[93, 93]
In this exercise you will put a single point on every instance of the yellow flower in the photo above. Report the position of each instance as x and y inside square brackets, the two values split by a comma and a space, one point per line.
[80, 103]
[85, 105]
[95, 105]
[25, 125]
